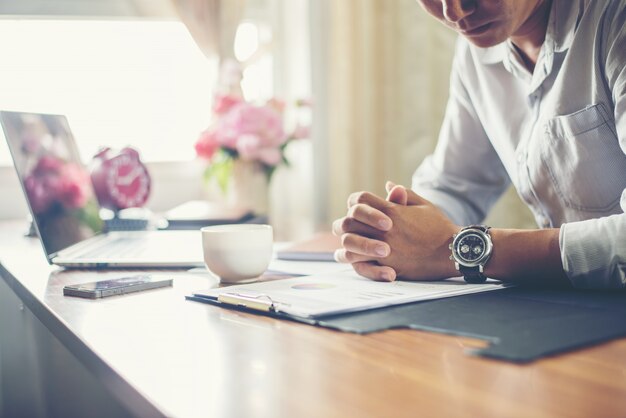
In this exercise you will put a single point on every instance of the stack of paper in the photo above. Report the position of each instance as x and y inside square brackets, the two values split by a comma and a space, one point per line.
[339, 292]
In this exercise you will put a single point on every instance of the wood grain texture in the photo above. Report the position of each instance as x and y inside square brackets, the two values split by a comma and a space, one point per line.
[191, 359]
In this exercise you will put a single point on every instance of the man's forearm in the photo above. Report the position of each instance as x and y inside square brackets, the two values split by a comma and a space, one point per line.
[527, 257]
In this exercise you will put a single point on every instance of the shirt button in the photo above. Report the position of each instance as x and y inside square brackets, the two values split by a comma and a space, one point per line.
[520, 158]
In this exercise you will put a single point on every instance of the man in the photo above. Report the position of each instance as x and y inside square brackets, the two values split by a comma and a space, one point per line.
[537, 99]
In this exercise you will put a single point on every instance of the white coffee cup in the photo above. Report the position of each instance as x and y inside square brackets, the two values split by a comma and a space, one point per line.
[238, 252]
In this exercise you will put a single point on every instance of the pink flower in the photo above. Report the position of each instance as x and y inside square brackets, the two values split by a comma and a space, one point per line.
[278, 104]
[245, 118]
[248, 131]
[301, 131]
[74, 186]
[248, 146]
[40, 193]
[53, 181]
[225, 102]
[207, 144]
[47, 165]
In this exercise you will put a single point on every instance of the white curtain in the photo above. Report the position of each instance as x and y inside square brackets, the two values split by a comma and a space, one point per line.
[387, 66]
[387, 75]
[212, 23]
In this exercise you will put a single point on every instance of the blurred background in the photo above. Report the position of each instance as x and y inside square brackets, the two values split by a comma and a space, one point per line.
[145, 72]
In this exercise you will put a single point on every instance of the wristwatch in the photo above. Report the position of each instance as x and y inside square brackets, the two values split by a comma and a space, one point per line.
[471, 249]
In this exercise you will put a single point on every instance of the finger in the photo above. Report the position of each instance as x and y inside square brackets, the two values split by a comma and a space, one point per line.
[368, 199]
[415, 199]
[350, 225]
[344, 256]
[389, 185]
[370, 216]
[365, 246]
[374, 271]
[340, 226]
[399, 195]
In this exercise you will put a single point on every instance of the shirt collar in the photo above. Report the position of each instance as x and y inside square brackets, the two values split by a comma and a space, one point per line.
[564, 19]
[563, 22]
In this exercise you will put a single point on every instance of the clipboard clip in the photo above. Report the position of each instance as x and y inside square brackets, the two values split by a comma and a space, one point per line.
[262, 303]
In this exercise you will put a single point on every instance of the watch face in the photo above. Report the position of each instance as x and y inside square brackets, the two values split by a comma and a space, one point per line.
[471, 248]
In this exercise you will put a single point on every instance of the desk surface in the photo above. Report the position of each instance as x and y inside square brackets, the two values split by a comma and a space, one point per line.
[189, 359]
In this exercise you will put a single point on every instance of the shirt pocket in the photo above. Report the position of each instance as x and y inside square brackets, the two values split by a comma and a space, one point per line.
[585, 163]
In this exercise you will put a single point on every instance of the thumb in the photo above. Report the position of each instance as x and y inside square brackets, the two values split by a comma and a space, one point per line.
[398, 195]
[411, 199]
[415, 199]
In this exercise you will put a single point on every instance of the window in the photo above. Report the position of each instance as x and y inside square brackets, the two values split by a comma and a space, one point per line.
[126, 82]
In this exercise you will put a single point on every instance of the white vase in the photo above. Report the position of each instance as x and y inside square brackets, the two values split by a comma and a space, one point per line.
[247, 188]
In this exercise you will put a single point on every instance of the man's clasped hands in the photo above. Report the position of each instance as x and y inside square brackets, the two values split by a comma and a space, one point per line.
[403, 236]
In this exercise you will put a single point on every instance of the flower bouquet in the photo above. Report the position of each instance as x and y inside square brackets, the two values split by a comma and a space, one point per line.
[54, 184]
[246, 141]
[246, 132]
[57, 188]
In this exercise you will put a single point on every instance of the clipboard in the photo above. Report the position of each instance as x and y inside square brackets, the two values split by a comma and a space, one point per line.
[255, 306]
[323, 295]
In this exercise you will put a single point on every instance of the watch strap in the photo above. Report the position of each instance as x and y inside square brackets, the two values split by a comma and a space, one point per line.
[483, 228]
[472, 274]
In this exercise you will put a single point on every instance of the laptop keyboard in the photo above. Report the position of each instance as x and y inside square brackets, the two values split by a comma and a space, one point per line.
[120, 248]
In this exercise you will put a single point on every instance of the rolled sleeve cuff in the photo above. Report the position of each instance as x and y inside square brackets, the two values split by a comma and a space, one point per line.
[590, 254]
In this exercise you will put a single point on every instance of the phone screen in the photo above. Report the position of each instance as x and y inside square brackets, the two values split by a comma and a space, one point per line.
[104, 288]
[113, 283]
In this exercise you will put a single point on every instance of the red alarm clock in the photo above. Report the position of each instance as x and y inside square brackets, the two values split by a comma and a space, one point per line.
[120, 179]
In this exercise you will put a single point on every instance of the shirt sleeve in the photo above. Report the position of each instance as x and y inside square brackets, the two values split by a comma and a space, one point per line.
[593, 252]
[464, 176]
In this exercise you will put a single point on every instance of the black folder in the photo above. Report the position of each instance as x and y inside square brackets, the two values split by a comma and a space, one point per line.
[520, 324]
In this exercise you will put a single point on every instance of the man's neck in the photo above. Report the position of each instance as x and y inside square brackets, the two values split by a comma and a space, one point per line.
[530, 36]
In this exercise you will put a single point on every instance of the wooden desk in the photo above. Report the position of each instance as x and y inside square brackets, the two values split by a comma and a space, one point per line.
[155, 354]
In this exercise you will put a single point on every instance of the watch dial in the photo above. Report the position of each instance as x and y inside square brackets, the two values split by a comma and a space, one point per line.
[471, 247]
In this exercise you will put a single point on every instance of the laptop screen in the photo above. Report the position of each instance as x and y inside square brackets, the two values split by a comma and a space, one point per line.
[56, 184]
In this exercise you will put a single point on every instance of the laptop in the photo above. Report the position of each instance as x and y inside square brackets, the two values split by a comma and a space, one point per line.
[64, 208]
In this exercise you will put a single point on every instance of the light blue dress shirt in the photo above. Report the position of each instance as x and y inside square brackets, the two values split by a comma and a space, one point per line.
[558, 135]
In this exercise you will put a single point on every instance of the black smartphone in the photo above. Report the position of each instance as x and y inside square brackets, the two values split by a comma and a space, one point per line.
[120, 286]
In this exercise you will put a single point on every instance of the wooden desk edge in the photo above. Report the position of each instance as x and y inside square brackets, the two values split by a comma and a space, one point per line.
[137, 403]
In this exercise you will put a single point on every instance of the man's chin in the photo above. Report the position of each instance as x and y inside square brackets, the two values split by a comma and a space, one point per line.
[493, 36]
[484, 41]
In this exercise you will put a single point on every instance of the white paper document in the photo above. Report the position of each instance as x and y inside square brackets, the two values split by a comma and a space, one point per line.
[306, 268]
[325, 294]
